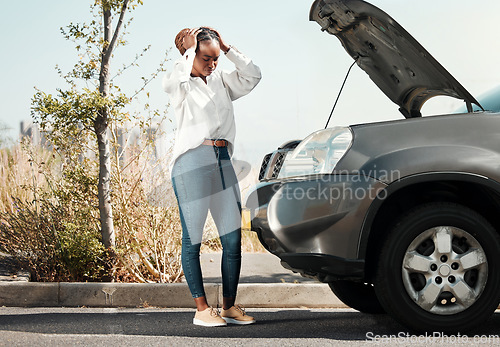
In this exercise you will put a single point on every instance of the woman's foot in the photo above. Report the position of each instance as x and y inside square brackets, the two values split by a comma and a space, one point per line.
[236, 315]
[209, 317]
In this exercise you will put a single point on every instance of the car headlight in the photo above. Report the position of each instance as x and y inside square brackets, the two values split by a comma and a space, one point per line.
[318, 153]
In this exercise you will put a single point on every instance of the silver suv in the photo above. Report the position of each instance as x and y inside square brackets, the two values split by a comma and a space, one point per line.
[400, 216]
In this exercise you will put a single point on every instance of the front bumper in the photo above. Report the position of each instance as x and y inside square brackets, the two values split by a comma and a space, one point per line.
[313, 224]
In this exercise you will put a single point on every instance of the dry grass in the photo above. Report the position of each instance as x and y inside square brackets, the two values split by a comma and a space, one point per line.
[22, 172]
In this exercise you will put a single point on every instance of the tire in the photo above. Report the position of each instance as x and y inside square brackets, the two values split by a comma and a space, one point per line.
[449, 253]
[359, 296]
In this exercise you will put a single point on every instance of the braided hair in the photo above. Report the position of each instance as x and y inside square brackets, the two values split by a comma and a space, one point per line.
[205, 34]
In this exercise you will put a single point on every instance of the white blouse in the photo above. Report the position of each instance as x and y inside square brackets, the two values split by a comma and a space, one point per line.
[205, 111]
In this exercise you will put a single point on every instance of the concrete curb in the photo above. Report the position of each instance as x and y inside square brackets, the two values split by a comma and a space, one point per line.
[273, 295]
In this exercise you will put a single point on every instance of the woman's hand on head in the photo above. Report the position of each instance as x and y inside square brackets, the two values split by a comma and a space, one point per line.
[223, 46]
[190, 40]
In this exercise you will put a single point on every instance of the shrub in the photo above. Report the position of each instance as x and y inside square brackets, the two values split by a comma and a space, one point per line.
[43, 238]
[147, 223]
[48, 220]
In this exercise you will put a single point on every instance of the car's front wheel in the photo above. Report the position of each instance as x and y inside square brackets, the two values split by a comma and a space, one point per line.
[439, 269]
[359, 296]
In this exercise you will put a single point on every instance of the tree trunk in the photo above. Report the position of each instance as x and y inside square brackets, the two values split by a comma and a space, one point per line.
[104, 185]
[101, 127]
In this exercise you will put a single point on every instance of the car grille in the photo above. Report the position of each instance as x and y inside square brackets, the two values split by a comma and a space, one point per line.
[280, 158]
[272, 163]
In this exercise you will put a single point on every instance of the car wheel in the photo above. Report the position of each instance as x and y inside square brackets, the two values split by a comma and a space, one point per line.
[359, 296]
[439, 269]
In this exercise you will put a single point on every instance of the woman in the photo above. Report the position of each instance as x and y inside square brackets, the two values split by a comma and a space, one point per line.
[202, 175]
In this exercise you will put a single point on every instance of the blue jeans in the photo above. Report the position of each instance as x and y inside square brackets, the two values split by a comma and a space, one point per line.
[204, 179]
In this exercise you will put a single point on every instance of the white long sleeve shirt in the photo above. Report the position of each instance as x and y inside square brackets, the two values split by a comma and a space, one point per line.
[205, 111]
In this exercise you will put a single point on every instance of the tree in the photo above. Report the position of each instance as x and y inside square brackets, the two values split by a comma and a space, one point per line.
[79, 110]
[101, 120]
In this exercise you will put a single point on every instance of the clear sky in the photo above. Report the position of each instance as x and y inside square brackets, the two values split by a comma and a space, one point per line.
[302, 67]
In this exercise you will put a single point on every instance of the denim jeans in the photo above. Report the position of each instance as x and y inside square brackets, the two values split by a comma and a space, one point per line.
[204, 179]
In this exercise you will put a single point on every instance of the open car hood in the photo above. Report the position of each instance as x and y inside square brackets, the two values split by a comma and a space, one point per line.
[393, 59]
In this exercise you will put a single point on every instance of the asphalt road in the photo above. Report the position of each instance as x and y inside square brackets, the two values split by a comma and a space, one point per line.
[173, 327]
